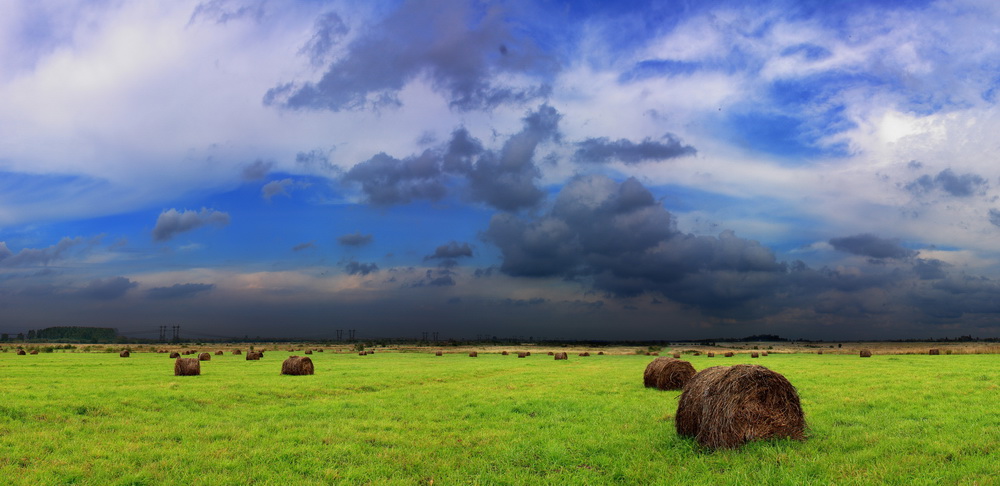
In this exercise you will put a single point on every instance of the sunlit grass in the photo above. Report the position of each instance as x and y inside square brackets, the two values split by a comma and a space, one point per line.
[411, 418]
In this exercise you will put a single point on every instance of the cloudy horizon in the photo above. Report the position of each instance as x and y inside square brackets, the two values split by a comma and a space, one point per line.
[640, 170]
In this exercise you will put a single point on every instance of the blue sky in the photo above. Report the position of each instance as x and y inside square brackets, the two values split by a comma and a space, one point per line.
[588, 170]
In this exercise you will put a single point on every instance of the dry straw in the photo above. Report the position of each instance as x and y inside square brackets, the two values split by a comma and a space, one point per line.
[584, 354]
[187, 367]
[729, 354]
[309, 352]
[473, 354]
[204, 357]
[438, 353]
[297, 365]
[667, 373]
[33, 351]
[175, 354]
[124, 354]
[724, 407]
[504, 353]
[934, 352]
[711, 355]
[237, 352]
[20, 352]
[561, 356]
[521, 354]
[219, 353]
[866, 353]
[754, 355]
[254, 356]
[676, 355]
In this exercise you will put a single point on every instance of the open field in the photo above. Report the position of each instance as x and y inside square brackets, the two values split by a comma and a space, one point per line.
[413, 418]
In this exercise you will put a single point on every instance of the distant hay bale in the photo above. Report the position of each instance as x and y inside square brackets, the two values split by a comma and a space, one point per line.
[561, 356]
[522, 354]
[504, 353]
[934, 352]
[652, 354]
[309, 352]
[175, 354]
[819, 352]
[584, 354]
[254, 355]
[676, 355]
[362, 353]
[237, 352]
[866, 353]
[371, 351]
[527, 353]
[438, 353]
[20, 352]
[551, 353]
[33, 351]
[187, 367]
[124, 354]
[297, 365]
[763, 353]
[697, 353]
[600, 353]
[667, 373]
[724, 407]
[754, 355]
[729, 354]
[711, 355]
[320, 350]
[473, 354]
[219, 353]
[204, 357]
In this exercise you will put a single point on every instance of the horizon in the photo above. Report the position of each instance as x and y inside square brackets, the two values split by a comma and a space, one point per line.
[633, 171]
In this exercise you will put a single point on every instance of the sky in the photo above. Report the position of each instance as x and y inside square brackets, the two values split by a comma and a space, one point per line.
[548, 170]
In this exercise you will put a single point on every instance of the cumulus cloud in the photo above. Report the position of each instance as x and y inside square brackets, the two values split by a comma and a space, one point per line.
[256, 170]
[172, 222]
[178, 291]
[36, 256]
[463, 52]
[276, 188]
[304, 246]
[451, 250]
[602, 150]
[958, 185]
[354, 239]
[505, 179]
[872, 246]
[357, 268]
[107, 289]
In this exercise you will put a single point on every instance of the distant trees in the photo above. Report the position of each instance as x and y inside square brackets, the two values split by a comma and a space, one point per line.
[76, 334]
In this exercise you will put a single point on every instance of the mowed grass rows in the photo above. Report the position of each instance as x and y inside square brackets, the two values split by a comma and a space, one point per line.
[410, 418]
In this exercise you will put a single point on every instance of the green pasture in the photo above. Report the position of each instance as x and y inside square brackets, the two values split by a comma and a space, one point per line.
[413, 418]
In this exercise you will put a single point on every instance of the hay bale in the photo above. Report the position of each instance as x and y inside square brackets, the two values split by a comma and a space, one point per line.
[204, 357]
[473, 354]
[584, 354]
[551, 353]
[754, 355]
[320, 350]
[934, 352]
[561, 356]
[819, 352]
[527, 353]
[20, 352]
[729, 354]
[219, 353]
[676, 355]
[711, 355]
[763, 353]
[522, 354]
[866, 353]
[724, 407]
[237, 352]
[439, 353]
[362, 353]
[667, 373]
[124, 354]
[297, 365]
[600, 353]
[33, 351]
[504, 353]
[187, 367]
[254, 356]
[309, 352]
[175, 354]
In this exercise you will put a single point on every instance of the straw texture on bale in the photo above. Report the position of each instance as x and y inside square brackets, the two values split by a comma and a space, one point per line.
[729, 354]
[438, 353]
[33, 351]
[237, 352]
[866, 353]
[676, 355]
[187, 367]
[219, 353]
[254, 356]
[20, 352]
[175, 354]
[309, 352]
[724, 407]
[935, 352]
[584, 354]
[763, 353]
[754, 355]
[505, 353]
[204, 357]
[124, 354]
[561, 356]
[473, 354]
[521, 354]
[600, 353]
[297, 365]
[667, 373]
[551, 353]
[819, 352]
[711, 355]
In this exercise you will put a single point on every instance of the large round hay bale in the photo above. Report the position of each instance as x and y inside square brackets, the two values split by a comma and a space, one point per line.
[473, 354]
[724, 407]
[676, 355]
[219, 353]
[551, 353]
[204, 357]
[584, 354]
[665, 373]
[729, 354]
[711, 355]
[309, 352]
[763, 353]
[561, 356]
[175, 354]
[600, 353]
[124, 354]
[33, 351]
[504, 353]
[934, 352]
[526, 353]
[362, 353]
[237, 352]
[254, 356]
[297, 365]
[438, 353]
[819, 352]
[522, 354]
[20, 352]
[754, 355]
[187, 367]
[866, 353]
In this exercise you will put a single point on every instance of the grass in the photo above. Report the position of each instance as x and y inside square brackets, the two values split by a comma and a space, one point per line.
[390, 418]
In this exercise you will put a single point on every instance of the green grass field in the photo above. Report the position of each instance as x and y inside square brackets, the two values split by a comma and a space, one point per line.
[413, 418]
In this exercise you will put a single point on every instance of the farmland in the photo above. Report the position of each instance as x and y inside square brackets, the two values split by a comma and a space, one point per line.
[413, 418]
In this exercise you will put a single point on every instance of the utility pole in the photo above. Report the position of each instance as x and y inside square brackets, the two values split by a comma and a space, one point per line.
[177, 332]
[340, 334]
[435, 336]
[350, 333]
[163, 334]
[424, 338]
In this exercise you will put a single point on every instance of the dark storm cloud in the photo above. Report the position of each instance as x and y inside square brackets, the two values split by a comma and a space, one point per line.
[36, 256]
[107, 289]
[505, 179]
[178, 291]
[356, 268]
[257, 170]
[460, 51]
[930, 269]
[959, 295]
[872, 246]
[354, 239]
[995, 217]
[172, 222]
[602, 150]
[617, 239]
[957, 185]
[451, 250]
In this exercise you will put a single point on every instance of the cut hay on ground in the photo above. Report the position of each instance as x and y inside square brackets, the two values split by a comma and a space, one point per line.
[934, 352]
[866, 353]
[187, 367]
[175, 354]
[204, 357]
[724, 407]
[561, 356]
[124, 354]
[667, 373]
[297, 365]
[473, 354]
